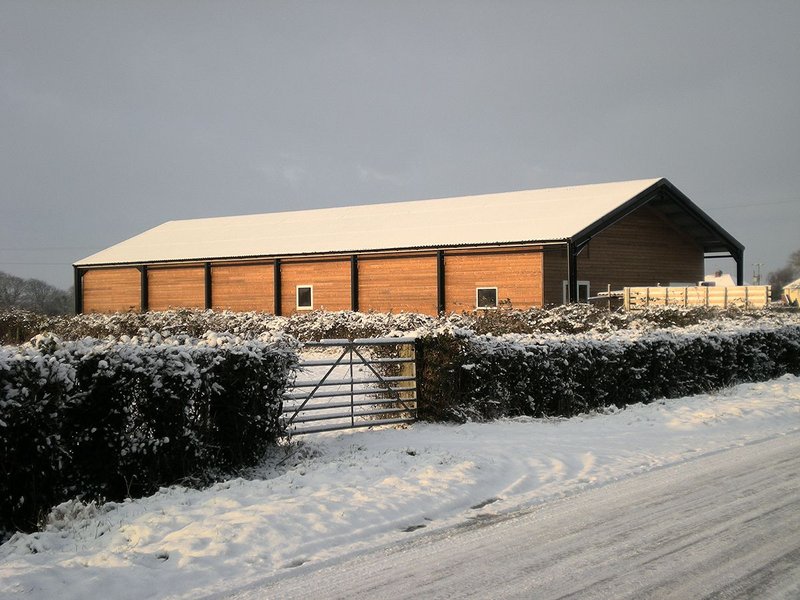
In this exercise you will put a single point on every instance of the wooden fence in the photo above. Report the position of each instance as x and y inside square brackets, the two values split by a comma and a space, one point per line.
[742, 296]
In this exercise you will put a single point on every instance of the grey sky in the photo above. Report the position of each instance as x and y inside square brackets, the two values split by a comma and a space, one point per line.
[118, 116]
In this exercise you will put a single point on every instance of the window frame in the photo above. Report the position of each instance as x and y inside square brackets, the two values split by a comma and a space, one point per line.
[496, 298]
[297, 297]
[581, 283]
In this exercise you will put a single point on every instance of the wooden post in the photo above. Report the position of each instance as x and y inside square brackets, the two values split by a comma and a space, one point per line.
[207, 273]
[78, 274]
[145, 296]
[738, 256]
[440, 275]
[408, 369]
[609, 297]
[354, 283]
[572, 274]
[351, 345]
[276, 287]
[419, 359]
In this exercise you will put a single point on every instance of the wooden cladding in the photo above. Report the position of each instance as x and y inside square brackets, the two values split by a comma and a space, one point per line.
[330, 280]
[555, 273]
[516, 275]
[242, 287]
[176, 287]
[398, 284]
[111, 290]
[412, 282]
[640, 250]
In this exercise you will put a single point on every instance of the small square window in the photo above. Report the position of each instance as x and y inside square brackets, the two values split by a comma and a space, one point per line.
[305, 297]
[486, 297]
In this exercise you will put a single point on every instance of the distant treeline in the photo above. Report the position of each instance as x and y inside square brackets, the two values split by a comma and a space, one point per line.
[786, 274]
[34, 295]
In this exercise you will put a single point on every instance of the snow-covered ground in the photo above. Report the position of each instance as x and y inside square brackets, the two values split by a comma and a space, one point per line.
[726, 525]
[338, 494]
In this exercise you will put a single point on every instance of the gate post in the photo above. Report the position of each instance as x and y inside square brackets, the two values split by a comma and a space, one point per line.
[350, 346]
[419, 364]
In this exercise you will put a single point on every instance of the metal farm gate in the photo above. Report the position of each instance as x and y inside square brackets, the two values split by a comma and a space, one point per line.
[344, 384]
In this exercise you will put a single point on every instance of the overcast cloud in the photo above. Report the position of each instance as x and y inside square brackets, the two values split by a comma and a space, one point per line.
[118, 116]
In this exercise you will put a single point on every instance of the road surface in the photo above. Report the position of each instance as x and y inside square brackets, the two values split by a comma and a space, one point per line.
[725, 525]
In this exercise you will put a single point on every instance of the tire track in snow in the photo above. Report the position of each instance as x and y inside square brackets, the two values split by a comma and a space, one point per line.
[725, 525]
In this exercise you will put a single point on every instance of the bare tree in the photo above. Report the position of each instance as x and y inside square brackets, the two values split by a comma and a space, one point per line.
[34, 295]
[789, 272]
[794, 263]
[12, 290]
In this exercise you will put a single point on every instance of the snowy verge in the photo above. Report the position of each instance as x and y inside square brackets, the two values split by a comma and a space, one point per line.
[342, 493]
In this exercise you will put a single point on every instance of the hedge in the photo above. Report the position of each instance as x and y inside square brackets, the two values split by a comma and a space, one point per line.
[114, 418]
[18, 326]
[466, 376]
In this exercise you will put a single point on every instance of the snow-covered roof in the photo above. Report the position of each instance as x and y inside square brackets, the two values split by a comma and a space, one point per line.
[526, 216]
[792, 285]
[722, 280]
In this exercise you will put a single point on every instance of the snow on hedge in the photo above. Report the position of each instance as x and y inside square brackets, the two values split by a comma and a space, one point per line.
[18, 326]
[109, 418]
[471, 376]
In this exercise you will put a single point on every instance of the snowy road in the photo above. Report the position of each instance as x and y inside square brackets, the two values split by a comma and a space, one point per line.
[726, 525]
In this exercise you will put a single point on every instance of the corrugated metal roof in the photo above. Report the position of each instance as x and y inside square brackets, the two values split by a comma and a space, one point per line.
[533, 215]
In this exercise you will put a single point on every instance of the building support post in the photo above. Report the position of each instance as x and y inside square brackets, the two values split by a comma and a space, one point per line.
[572, 273]
[78, 290]
[354, 283]
[144, 291]
[440, 299]
[276, 283]
[209, 298]
[738, 256]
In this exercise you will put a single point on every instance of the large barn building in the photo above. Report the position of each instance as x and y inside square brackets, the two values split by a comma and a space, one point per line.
[521, 249]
